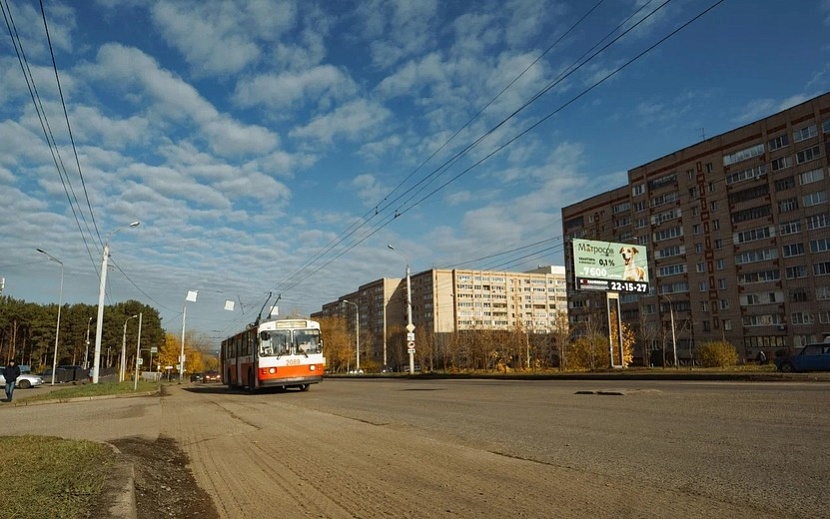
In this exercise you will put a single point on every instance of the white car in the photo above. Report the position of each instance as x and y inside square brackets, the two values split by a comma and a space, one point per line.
[24, 381]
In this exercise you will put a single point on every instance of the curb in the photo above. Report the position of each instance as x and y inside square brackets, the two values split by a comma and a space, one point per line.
[121, 486]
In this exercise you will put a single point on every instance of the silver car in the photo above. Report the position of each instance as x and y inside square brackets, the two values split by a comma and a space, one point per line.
[24, 381]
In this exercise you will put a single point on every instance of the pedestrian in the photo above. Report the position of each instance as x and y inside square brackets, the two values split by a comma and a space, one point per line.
[762, 357]
[11, 373]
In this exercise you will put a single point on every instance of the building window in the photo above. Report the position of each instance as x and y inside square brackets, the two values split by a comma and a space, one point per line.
[754, 256]
[807, 155]
[724, 304]
[790, 204]
[695, 210]
[722, 284]
[703, 286]
[738, 156]
[781, 163]
[783, 184]
[818, 221]
[779, 142]
[793, 249]
[797, 272]
[792, 227]
[704, 306]
[719, 264]
[706, 326]
[819, 197]
[727, 324]
[820, 245]
[805, 133]
[822, 293]
[639, 207]
[716, 224]
[821, 269]
[718, 244]
[761, 233]
[638, 190]
[698, 248]
[696, 229]
[814, 175]
[701, 267]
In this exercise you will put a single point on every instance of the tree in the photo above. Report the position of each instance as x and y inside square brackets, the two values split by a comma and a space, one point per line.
[338, 343]
[561, 334]
[717, 354]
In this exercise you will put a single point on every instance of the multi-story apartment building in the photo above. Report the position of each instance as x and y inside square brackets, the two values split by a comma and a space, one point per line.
[445, 301]
[738, 235]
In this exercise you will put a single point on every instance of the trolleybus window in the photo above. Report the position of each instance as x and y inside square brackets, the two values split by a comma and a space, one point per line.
[275, 342]
[307, 341]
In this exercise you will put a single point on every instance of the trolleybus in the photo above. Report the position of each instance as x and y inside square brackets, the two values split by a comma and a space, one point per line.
[279, 353]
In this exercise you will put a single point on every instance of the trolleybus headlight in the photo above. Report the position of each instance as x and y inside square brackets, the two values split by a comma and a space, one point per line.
[312, 367]
[272, 370]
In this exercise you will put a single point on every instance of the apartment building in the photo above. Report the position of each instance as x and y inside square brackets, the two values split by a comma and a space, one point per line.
[737, 229]
[448, 300]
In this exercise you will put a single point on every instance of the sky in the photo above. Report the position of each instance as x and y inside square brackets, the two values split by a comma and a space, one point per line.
[278, 146]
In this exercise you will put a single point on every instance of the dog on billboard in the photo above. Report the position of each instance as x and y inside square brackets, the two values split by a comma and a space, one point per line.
[632, 271]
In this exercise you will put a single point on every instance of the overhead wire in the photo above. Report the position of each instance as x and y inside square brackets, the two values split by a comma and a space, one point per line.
[352, 229]
[530, 128]
[44, 121]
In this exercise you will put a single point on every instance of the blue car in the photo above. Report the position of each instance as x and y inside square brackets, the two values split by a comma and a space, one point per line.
[812, 357]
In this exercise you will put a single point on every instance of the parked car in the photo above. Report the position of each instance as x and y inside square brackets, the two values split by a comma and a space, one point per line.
[812, 357]
[24, 381]
[212, 376]
[196, 377]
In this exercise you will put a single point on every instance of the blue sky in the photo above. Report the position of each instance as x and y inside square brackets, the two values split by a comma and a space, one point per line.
[279, 146]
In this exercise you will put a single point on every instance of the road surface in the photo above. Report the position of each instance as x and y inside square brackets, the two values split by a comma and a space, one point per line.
[489, 448]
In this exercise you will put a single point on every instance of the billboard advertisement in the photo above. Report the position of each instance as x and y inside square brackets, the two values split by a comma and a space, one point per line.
[610, 266]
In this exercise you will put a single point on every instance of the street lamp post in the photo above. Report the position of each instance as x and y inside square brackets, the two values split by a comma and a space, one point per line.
[191, 296]
[124, 349]
[138, 350]
[410, 328]
[96, 361]
[60, 302]
[357, 333]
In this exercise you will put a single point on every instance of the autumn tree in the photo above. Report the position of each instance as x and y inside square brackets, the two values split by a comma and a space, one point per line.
[338, 343]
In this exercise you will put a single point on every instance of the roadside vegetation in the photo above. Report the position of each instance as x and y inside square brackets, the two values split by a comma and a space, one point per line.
[89, 390]
[53, 477]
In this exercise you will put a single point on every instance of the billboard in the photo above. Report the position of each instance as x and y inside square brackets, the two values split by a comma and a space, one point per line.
[610, 266]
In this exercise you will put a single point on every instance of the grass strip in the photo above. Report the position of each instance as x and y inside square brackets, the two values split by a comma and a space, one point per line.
[52, 477]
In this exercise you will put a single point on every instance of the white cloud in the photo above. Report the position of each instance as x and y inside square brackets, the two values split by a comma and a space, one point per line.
[286, 90]
[351, 121]
[219, 38]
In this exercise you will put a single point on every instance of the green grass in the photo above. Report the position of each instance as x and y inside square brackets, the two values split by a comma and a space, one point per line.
[51, 477]
[89, 390]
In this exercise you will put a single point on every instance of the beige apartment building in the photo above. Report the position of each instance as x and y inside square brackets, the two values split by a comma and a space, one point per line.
[445, 301]
[737, 230]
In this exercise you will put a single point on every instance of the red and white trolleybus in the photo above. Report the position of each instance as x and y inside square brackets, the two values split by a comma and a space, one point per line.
[281, 353]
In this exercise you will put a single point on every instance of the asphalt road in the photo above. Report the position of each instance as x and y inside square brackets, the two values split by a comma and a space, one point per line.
[485, 448]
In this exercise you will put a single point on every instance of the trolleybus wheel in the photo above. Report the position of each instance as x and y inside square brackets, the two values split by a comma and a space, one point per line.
[305, 387]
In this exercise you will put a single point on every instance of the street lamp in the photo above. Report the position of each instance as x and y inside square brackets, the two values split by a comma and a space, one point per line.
[357, 319]
[124, 349]
[410, 328]
[60, 302]
[191, 296]
[96, 361]
[138, 351]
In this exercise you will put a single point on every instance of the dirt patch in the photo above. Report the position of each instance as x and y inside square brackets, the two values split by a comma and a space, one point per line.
[164, 485]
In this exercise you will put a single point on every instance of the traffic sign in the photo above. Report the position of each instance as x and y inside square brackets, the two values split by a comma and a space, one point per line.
[410, 327]
[410, 345]
[410, 336]
[411, 350]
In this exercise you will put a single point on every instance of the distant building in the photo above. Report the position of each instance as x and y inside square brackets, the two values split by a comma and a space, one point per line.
[738, 235]
[446, 301]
